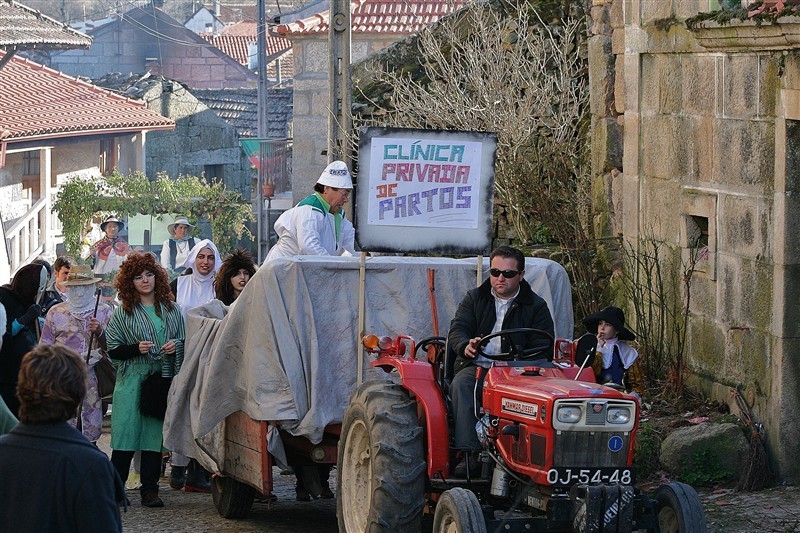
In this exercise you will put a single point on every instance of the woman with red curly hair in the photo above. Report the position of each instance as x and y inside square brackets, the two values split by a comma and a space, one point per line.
[145, 336]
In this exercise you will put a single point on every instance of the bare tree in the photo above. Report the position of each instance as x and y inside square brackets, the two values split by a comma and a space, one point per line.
[500, 68]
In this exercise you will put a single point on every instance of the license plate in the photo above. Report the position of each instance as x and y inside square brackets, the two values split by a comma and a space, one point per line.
[565, 476]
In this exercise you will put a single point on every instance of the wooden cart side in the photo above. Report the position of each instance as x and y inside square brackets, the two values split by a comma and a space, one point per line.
[246, 457]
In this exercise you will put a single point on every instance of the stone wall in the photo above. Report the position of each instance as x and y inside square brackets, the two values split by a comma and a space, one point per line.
[201, 140]
[688, 139]
[311, 106]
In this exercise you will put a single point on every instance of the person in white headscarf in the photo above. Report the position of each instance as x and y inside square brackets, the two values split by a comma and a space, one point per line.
[317, 225]
[194, 288]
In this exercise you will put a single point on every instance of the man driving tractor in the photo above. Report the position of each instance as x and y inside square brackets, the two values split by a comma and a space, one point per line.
[502, 302]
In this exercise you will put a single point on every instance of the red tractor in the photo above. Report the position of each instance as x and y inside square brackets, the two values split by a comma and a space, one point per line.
[557, 452]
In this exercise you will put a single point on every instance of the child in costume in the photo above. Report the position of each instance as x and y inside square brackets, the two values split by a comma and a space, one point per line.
[616, 361]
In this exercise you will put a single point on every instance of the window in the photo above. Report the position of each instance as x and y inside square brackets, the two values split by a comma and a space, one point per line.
[699, 231]
[108, 156]
[30, 164]
[213, 172]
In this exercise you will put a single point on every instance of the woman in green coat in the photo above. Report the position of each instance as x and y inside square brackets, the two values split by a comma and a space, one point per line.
[145, 336]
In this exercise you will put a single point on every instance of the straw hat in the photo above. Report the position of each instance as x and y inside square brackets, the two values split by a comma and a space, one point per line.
[179, 220]
[80, 275]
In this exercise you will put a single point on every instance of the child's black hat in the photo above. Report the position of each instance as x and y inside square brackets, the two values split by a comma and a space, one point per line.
[615, 317]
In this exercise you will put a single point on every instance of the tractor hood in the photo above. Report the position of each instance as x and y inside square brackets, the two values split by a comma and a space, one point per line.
[544, 384]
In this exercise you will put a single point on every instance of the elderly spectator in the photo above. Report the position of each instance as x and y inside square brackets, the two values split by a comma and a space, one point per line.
[110, 251]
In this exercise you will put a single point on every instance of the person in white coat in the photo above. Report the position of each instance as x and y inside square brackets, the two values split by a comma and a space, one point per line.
[317, 225]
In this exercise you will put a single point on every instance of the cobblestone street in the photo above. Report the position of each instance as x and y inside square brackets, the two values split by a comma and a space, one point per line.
[775, 510]
[188, 511]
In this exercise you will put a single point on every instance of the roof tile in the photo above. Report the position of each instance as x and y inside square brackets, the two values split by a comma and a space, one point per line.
[23, 27]
[235, 39]
[39, 102]
[380, 16]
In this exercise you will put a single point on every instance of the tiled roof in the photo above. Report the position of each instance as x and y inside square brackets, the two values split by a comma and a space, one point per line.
[22, 28]
[379, 16]
[239, 108]
[245, 28]
[234, 41]
[37, 102]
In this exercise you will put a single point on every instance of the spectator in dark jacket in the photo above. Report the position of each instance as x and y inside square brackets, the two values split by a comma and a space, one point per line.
[20, 299]
[504, 301]
[53, 478]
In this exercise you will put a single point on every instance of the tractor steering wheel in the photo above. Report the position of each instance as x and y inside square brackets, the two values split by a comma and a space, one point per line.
[516, 353]
[430, 341]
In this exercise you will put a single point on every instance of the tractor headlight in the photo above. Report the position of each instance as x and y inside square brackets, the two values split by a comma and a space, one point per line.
[618, 415]
[568, 414]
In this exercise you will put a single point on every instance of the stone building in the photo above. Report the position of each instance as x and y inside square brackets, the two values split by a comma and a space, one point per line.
[208, 126]
[375, 25]
[150, 40]
[695, 143]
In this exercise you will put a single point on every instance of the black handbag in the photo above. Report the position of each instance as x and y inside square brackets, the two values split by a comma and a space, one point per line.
[153, 396]
[106, 377]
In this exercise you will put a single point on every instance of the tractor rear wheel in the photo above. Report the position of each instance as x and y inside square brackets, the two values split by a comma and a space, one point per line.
[231, 498]
[679, 510]
[458, 511]
[381, 474]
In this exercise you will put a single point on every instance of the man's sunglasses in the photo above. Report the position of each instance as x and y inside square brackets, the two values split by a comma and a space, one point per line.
[495, 272]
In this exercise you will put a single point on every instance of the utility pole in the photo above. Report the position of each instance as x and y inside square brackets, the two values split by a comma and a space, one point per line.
[340, 119]
[263, 127]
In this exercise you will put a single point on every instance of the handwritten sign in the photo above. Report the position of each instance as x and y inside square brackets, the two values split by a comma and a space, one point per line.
[415, 182]
[436, 187]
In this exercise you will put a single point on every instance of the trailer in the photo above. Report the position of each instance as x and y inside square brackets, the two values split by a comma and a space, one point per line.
[267, 381]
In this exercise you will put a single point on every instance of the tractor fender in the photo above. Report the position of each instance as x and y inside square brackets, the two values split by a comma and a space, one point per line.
[417, 377]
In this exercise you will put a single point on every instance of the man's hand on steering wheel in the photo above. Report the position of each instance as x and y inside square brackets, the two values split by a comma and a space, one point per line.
[515, 352]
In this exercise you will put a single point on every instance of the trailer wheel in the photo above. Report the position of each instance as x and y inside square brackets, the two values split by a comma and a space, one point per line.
[381, 474]
[458, 511]
[231, 498]
[679, 510]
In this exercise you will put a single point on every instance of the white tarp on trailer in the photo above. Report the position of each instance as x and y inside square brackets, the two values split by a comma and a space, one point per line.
[287, 350]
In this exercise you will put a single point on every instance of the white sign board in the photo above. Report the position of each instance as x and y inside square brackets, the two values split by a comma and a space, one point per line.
[425, 191]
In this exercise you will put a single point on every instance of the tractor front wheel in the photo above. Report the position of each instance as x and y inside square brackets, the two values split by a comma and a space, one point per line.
[458, 511]
[381, 474]
[679, 510]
